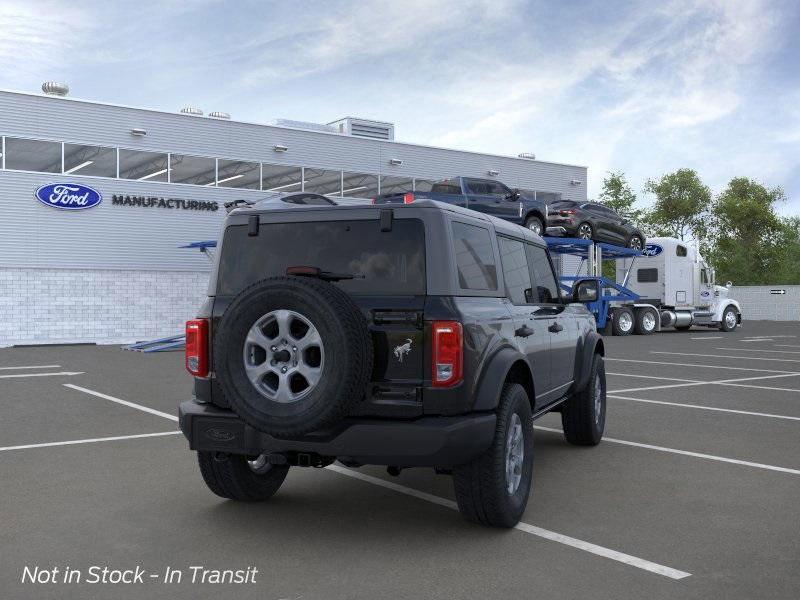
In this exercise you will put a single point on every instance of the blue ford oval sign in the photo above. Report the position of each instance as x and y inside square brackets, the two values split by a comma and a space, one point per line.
[652, 250]
[68, 196]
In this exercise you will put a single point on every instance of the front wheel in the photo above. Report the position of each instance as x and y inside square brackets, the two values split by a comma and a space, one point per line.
[583, 415]
[729, 320]
[535, 225]
[241, 478]
[493, 489]
[585, 231]
[635, 242]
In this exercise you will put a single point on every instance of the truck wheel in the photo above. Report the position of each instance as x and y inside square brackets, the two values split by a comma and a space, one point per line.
[729, 319]
[645, 321]
[535, 225]
[493, 489]
[583, 415]
[235, 477]
[292, 355]
[622, 322]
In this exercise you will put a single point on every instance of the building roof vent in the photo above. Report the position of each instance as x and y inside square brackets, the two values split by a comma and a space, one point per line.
[219, 115]
[303, 125]
[376, 130]
[53, 88]
[527, 155]
[192, 110]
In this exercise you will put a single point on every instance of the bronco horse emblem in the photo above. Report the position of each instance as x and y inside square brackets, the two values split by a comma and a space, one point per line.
[402, 350]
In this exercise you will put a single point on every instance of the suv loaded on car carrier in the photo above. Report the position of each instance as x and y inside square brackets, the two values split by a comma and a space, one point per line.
[419, 335]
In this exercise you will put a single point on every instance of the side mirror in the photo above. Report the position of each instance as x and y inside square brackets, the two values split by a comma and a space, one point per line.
[513, 196]
[729, 284]
[586, 290]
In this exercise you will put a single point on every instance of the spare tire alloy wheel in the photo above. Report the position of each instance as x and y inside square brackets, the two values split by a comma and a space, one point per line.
[585, 231]
[284, 356]
[292, 355]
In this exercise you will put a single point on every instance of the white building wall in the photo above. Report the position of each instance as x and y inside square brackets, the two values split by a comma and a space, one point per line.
[759, 303]
[40, 306]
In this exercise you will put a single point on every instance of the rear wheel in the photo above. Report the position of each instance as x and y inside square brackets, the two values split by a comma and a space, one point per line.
[493, 489]
[635, 242]
[645, 321]
[729, 319]
[585, 231]
[622, 322]
[241, 478]
[535, 225]
[583, 416]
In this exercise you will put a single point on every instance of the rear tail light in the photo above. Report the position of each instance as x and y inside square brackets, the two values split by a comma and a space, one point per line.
[197, 347]
[408, 198]
[447, 354]
[571, 211]
[372, 201]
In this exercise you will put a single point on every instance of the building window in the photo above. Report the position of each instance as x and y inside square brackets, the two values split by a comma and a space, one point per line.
[238, 174]
[143, 166]
[90, 160]
[474, 257]
[195, 170]
[359, 185]
[33, 155]
[396, 185]
[324, 182]
[279, 178]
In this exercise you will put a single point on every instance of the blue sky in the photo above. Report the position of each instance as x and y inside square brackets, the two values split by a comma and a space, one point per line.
[641, 87]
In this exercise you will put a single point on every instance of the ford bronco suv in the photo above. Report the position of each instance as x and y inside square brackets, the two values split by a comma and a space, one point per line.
[419, 335]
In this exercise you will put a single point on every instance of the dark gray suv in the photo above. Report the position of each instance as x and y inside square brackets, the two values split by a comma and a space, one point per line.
[422, 335]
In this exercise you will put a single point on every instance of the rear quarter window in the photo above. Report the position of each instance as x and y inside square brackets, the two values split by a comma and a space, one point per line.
[384, 263]
[474, 257]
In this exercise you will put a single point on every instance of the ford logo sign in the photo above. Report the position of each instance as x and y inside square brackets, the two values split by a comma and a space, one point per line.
[652, 250]
[68, 196]
[218, 434]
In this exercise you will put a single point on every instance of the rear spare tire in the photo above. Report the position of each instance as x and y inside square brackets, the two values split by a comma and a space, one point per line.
[292, 355]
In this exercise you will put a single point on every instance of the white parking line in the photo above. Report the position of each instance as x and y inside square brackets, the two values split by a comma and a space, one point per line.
[31, 367]
[674, 364]
[701, 407]
[787, 346]
[708, 337]
[734, 382]
[759, 350]
[532, 529]
[664, 378]
[146, 409]
[20, 375]
[733, 461]
[90, 440]
[726, 356]
[756, 340]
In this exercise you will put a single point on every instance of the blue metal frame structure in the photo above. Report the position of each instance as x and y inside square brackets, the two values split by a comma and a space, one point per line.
[610, 291]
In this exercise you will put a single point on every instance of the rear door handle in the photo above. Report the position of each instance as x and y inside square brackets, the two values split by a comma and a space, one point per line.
[523, 331]
[555, 328]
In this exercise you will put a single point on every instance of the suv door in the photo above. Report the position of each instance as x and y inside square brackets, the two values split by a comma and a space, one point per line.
[532, 338]
[550, 312]
[490, 197]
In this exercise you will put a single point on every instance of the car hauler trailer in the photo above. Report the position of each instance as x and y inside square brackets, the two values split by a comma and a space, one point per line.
[667, 284]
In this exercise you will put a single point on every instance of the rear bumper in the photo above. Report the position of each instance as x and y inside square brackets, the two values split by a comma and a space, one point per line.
[428, 441]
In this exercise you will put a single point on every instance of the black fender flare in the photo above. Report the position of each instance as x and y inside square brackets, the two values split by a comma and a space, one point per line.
[592, 343]
[535, 212]
[495, 371]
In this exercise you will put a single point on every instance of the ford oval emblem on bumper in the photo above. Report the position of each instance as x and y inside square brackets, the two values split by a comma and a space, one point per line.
[218, 434]
[68, 196]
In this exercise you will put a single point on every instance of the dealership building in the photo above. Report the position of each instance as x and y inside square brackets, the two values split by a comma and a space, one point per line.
[95, 255]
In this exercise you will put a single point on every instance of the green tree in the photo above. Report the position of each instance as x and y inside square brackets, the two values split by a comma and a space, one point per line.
[681, 205]
[751, 244]
[618, 195]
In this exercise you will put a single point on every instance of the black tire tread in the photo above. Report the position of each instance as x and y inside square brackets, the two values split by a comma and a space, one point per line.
[476, 483]
[232, 478]
[577, 413]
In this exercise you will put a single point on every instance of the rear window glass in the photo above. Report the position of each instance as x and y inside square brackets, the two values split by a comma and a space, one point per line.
[446, 187]
[391, 262]
[474, 257]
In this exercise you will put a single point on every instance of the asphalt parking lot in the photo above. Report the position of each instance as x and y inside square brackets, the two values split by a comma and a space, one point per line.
[693, 493]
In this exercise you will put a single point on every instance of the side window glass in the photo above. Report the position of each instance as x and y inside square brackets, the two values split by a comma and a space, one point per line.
[477, 187]
[545, 288]
[680, 251]
[474, 257]
[515, 270]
